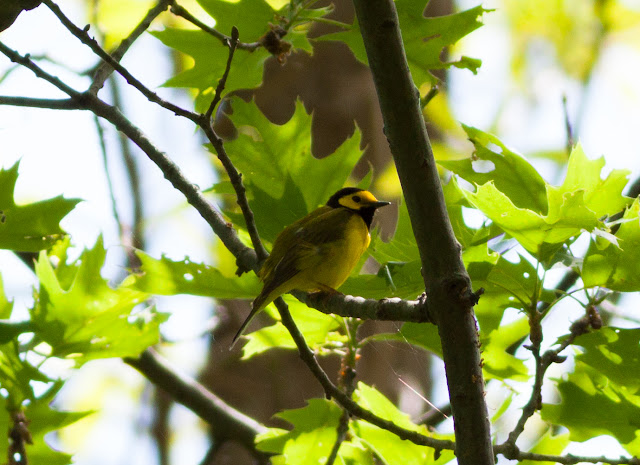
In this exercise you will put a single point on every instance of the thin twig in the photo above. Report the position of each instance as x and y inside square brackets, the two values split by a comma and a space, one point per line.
[233, 43]
[543, 362]
[39, 72]
[347, 383]
[241, 196]
[105, 70]
[180, 11]
[84, 37]
[135, 237]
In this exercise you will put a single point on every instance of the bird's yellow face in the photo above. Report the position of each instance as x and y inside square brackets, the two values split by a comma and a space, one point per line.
[358, 200]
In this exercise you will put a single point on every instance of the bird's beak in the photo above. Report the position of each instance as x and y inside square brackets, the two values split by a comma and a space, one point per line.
[380, 203]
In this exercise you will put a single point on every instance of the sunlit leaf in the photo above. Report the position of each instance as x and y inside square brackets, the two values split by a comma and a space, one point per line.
[424, 38]
[33, 226]
[312, 437]
[548, 444]
[90, 319]
[592, 406]
[616, 267]
[498, 363]
[169, 277]
[317, 328]
[388, 447]
[614, 352]
[43, 420]
[511, 173]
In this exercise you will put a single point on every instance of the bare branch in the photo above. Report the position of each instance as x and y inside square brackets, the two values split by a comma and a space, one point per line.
[394, 309]
[513, 453]
[241, 196]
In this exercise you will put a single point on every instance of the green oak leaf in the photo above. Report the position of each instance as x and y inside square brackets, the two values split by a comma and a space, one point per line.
[616, 267]
[253, 20]
[614, 352]
[31, 227]
[312, 437]
[273, 214]
[43, 420]
[90, 319]
[592, 406]
[16, 375]
[498, 363]
[267, 154]
[548, 444]
[601, 196]
[568, 217]
[390, 449]
[511, 173]
[169, 277]
[578, 205]
[394, 279]
[424, 38]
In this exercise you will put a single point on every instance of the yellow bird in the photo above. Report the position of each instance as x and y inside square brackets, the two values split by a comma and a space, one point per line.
[318, 252]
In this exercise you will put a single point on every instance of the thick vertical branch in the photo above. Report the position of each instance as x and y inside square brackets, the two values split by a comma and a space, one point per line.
[446, 280]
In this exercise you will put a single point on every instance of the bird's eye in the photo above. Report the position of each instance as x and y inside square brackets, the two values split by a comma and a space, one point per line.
[356, 198]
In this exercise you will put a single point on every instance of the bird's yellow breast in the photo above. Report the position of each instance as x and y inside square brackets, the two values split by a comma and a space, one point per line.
[338, 258]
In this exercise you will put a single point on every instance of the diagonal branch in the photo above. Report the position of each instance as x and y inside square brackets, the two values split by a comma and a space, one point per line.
[233, 44]
[180, 11]
[84, 37]
[39, 72]
[345, 401]
[105, 70]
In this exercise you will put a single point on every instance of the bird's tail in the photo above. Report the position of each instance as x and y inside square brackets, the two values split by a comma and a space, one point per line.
[258, 304]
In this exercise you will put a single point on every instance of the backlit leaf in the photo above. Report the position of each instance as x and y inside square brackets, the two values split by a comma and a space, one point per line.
[33, 226]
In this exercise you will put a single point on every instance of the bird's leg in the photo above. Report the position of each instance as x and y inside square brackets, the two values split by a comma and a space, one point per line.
[323, 288]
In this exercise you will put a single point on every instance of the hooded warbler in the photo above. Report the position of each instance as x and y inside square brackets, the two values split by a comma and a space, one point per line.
[318, 252]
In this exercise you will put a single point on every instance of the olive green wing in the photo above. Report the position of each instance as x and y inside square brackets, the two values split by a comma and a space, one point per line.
[304, 246]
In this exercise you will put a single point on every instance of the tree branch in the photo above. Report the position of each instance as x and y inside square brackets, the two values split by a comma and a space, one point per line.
[84, 37]
[105, 69]
[394, 309]
[332, 391]
[446, 280]
[233, 43]
[180, 11]
[513, 453]
[39, 72]
[52, 104]
[224, 420]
